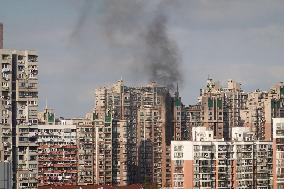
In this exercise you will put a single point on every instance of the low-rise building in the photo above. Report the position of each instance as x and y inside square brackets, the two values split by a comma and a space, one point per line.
[57, 155]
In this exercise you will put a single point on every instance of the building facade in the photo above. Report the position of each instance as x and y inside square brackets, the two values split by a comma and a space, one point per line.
[220, 164]
[243, 162]
[85, 146]
[223, 108]
[278, 153]
[133, 129]
[57, 155]
[19, 102]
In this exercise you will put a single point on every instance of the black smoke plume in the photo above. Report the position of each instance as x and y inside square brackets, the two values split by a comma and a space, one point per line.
[162, 54]
[138, 29]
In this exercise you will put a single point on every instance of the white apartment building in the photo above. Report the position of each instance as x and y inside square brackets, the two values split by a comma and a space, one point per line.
[243, 163]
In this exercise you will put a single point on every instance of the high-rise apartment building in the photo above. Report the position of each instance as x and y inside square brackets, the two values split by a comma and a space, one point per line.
[179, 124]
[19, 101]
[221, 109]
[208, 163]
[278, 153]
[192, 118]
[242, 162]
[85, 146]
[133, 130]
[261, 108]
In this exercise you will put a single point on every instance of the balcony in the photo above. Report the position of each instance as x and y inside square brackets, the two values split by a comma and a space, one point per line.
[5, 88]
[6, 60]
[6, 70]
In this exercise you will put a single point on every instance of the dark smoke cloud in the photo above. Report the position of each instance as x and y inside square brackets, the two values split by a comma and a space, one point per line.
[162, 54]
[137, 29]
[84, 14]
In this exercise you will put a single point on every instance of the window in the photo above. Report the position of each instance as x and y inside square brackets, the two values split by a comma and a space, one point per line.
[32, 158]
[5, 75]
[21, 76]
[178, 162]
[4, 121]
[4, 65]
[4, 112]
[5, 84]
[178, 155]
[31, 166]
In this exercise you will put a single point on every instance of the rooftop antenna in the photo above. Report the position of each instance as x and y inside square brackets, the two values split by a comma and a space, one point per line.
[45, 103]
[177, 87]
[177, 91]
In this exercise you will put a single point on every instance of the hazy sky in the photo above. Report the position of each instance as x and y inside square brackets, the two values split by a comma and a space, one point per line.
[86, 44]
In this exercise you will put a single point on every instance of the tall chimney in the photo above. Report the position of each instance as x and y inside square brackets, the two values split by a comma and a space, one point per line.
[1, 36]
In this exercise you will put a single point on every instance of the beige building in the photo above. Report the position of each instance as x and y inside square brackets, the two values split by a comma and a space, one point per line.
[219, 108]
[222, 109]
[19, 102]
[85, 145]
[132, 134]
[260, 108]
[192, 118]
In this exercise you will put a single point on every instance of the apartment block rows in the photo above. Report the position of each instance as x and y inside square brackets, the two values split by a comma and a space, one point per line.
[243, 162]
[220, 109]
[127, 138]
